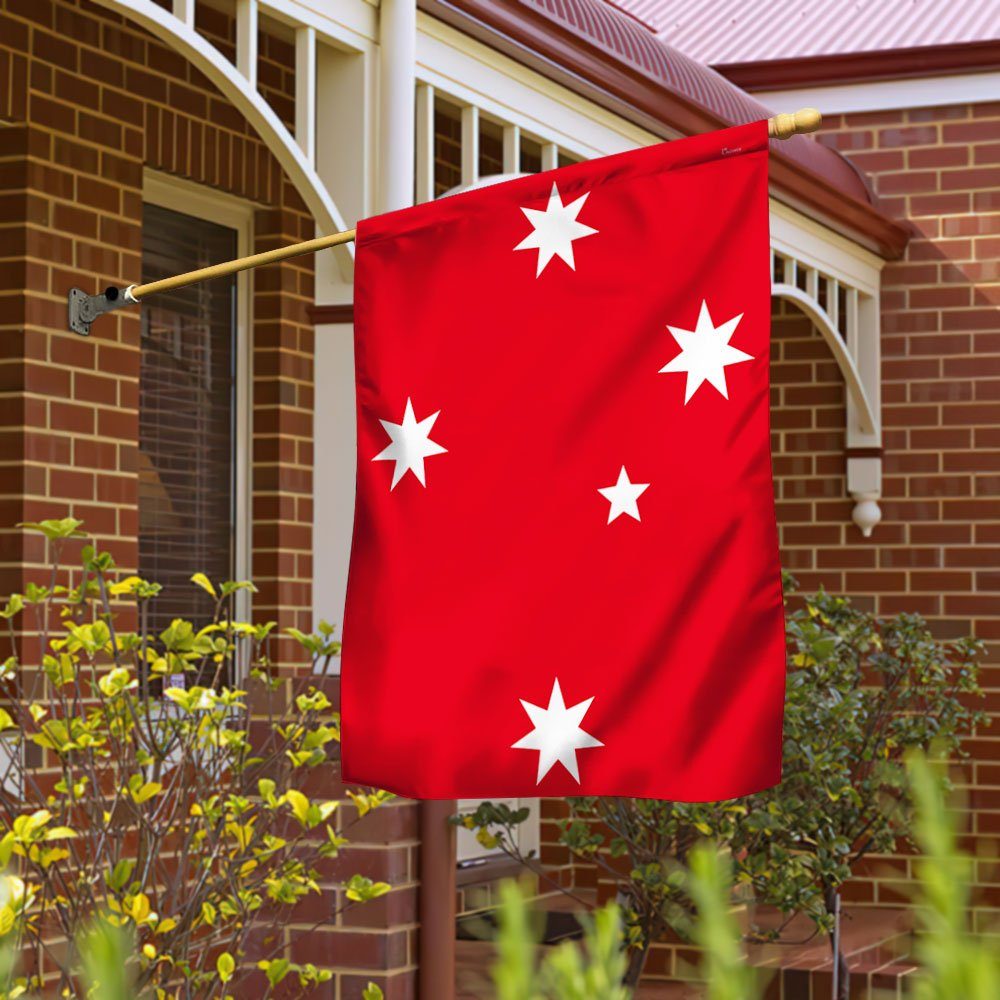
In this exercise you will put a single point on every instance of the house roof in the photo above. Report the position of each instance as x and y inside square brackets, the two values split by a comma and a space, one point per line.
[734, 31]
[610, 57]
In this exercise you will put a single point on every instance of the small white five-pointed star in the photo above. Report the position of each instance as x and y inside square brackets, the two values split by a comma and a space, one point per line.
[623, 496]
[705, 353]
[557, 734]
[555, 229]
[411, 444]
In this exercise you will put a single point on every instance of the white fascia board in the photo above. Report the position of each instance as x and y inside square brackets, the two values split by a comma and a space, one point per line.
[465, 69]
[887, 95]
[346, 24]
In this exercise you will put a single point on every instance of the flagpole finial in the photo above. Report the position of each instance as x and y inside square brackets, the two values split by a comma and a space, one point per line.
[786, 125]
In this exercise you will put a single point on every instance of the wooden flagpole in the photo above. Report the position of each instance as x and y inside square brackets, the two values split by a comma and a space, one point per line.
[84, 309]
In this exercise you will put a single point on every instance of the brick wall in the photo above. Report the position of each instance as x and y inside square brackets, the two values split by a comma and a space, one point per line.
[87, 102]
[937, 549]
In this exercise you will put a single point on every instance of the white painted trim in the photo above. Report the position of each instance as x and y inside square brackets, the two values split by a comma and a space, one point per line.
[867, 417]
[181, 195]
[246, 40]
[305, 91]
[470, 144]
[807, 241]
[203, 55]
[396, 87]
[425, 143]
[473, 73]
[864, 329]
[184, 11]
[550, 156]
[334, 471]
[511, 149]
[888, 95]
[346, 24]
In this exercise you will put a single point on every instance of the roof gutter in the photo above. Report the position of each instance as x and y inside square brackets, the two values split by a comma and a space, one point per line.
[526, 35]
[864, 67]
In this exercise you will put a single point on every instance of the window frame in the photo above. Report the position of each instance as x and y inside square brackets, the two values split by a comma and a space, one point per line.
[189, 198]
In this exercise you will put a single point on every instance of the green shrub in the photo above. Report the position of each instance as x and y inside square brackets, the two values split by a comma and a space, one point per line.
[954, 961]
[589, 970]
[861, 692]
[165, 807]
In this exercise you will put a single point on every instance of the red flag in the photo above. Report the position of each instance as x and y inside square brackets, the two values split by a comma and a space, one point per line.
[565, 575]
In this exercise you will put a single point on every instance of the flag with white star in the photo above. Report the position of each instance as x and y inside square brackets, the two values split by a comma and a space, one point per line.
[564, 577]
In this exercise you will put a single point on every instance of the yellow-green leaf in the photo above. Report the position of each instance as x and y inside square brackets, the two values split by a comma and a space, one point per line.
[226, 966]
[60, 833]
[203, 581]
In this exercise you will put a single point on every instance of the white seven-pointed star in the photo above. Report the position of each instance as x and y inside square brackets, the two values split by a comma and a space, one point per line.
[554, 230]
[705, 353]
[557, 734]
[411, 444]
[623, 496]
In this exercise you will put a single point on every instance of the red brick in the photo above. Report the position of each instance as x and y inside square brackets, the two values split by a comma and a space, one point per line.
[970, 319]
[941, 297]
[907, 181]
[986, 201]
[971, 225]
[938, 156]
[67, 416]
[66, 483]
[915, 135]
[969, 132]
[52, 114]
[940, 204]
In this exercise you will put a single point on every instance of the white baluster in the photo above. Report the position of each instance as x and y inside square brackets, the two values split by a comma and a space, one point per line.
[470, 144]
[246, 40]
[184, 11]
[512, 149]
[833, 302]
[305, 91]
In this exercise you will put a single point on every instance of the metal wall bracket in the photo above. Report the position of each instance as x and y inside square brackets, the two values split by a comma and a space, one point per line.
[83, 309]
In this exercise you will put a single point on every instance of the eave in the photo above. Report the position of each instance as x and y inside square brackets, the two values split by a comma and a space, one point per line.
[570, 59]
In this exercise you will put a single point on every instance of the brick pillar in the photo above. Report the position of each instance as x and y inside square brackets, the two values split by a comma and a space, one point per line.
[14, 407]
[72, 217]
[374, 941]
[282, 429]
[377, 940]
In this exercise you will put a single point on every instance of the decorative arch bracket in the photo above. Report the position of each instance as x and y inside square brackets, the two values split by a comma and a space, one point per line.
[296, 155]
[836, 284]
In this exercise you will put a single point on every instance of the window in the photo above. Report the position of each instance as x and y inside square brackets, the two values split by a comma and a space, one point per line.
[187, 416]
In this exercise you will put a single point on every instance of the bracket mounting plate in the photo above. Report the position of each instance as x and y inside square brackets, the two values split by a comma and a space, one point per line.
[82, 309]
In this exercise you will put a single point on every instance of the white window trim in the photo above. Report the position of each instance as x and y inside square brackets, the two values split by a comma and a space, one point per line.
[201, 202]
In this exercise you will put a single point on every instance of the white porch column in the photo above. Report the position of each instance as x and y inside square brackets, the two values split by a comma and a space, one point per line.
[397, 83]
